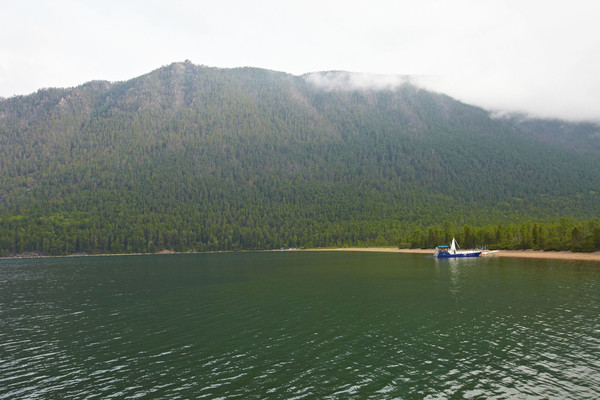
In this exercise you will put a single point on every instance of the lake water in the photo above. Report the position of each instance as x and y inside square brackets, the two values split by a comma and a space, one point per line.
[291, 325]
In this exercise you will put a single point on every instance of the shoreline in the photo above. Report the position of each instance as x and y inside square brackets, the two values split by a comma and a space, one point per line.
[33, 255]
[539, 254]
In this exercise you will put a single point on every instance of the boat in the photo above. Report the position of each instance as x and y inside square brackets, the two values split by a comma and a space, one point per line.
[452, 252]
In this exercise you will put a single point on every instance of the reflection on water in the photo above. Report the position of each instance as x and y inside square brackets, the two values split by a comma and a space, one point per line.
[298, 325]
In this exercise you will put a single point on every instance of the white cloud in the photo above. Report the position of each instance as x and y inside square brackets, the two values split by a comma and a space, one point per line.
[342, 80]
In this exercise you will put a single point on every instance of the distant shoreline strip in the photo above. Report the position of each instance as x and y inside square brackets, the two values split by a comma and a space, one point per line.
[539, 254]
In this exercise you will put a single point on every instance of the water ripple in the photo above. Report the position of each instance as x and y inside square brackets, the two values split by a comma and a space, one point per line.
[258, 327]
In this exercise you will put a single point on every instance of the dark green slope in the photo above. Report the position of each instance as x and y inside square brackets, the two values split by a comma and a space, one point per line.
[581, 137]
[196, 158]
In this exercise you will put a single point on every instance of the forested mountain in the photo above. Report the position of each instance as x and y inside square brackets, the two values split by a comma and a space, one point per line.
[581, 137]
[196, 158]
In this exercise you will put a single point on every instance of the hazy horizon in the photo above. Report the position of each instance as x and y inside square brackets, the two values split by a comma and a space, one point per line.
[534, 57]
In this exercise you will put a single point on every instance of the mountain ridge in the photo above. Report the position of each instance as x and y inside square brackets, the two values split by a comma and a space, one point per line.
[251, 158]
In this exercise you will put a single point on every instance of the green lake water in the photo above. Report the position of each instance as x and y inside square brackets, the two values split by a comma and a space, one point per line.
[292, 325]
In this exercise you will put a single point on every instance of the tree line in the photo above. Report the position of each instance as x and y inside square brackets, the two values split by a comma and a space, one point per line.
[564, 235]
[152, 233]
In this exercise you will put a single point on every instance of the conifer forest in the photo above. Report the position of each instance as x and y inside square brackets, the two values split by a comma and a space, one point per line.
[192, 158]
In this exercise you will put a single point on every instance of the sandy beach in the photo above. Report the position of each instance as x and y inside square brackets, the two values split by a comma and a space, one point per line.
[555, 255]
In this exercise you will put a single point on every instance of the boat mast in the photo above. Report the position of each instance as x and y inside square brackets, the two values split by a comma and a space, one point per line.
[453, 247]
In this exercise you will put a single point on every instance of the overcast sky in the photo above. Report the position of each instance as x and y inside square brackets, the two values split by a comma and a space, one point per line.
[540, 57]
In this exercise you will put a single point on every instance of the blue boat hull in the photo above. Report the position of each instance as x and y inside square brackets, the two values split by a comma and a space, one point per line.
[459, 255]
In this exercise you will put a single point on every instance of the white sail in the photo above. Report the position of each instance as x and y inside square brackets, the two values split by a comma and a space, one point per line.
[453, 247]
